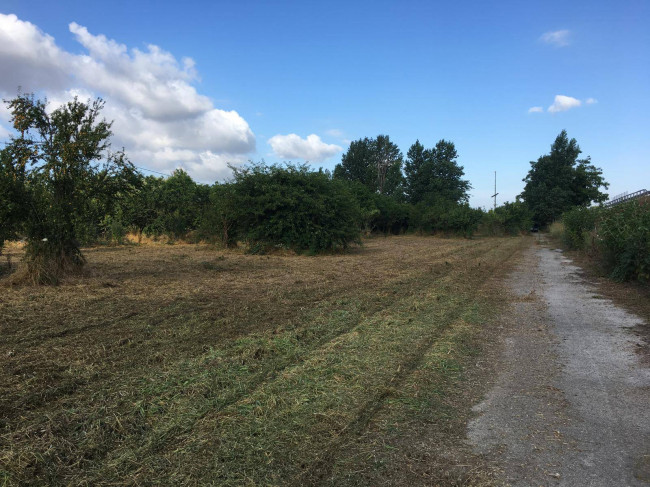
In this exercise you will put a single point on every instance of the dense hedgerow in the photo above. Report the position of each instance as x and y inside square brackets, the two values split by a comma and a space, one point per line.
[507, 219]
[624, 238]
[447, 218]
[283, 206]
[620, 236]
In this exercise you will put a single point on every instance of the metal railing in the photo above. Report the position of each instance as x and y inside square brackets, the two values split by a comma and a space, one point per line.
[623, 197]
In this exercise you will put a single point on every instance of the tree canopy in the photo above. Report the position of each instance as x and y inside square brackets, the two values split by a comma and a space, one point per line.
[559, 181]
[434, 176]
[376, 163]
[60, 186]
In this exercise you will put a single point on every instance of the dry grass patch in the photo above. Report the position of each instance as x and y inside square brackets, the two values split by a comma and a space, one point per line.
[183, 364]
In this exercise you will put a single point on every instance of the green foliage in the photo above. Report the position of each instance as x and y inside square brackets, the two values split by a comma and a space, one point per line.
[380, 213]
[619, 236]
[294, 208]
[559, 181]
[434, 175]
[461, 219]
[624, 239]
[219, 218]
[579, 227]
[433, 183]
[375, 163]
[178, 204]
[507, 219]
[64, 186]
[356, 164]
[391, 217]
[138, 209]
[12, 189]
[115, 229]
[366, 198]
[171, 207]
[446, 217]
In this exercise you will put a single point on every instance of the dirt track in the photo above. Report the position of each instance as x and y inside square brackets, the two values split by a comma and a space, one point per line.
[571, 405]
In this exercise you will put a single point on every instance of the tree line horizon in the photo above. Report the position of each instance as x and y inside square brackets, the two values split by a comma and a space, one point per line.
[62, 187]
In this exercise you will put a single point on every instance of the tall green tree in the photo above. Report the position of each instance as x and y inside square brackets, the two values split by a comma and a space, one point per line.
[434, 176]
[356, 163]
[388, 161]
[376, 163]
[559, 181]
[415, 180]
[68, 172]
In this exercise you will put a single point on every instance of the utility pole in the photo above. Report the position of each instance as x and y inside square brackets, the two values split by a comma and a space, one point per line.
[495, 191]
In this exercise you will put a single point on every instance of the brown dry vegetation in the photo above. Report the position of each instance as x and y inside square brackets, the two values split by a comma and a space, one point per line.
[186, 365]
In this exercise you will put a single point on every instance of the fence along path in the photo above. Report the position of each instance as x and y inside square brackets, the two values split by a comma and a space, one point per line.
[622, 198]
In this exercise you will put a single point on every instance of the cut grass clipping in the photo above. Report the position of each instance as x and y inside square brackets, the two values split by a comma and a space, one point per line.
[175, 365]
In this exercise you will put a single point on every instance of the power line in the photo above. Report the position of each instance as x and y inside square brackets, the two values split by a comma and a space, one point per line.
[137, 167]
[151, 170]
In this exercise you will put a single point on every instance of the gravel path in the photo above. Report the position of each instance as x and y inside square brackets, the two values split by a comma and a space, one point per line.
[571, 405]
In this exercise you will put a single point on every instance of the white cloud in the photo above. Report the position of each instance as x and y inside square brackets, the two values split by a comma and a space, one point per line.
[293, 146]
[29, 57]
[591, 101]
[535, 110]
[563, 103]
[158, 115]
[153, 81]
[556, 38]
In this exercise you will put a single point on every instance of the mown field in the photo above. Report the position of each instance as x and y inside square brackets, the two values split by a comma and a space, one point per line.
[186, 365]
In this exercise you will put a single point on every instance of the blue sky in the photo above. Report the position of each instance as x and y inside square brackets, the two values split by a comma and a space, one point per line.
[332, 72]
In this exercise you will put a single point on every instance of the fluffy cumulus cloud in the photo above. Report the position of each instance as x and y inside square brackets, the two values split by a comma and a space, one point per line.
[563, 103]
[158, 115]
[535, 110]
[311, 149]
[556, 38]
[591, 101]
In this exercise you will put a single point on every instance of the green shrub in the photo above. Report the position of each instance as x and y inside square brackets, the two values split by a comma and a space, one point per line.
[508, 219]
[391, 217]
[624, 239]
[579, 226]
[170, 207]
[117, 230]
[219, 219]
[445, 217]
[461, 220]
[292, 207]
[367, 201]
